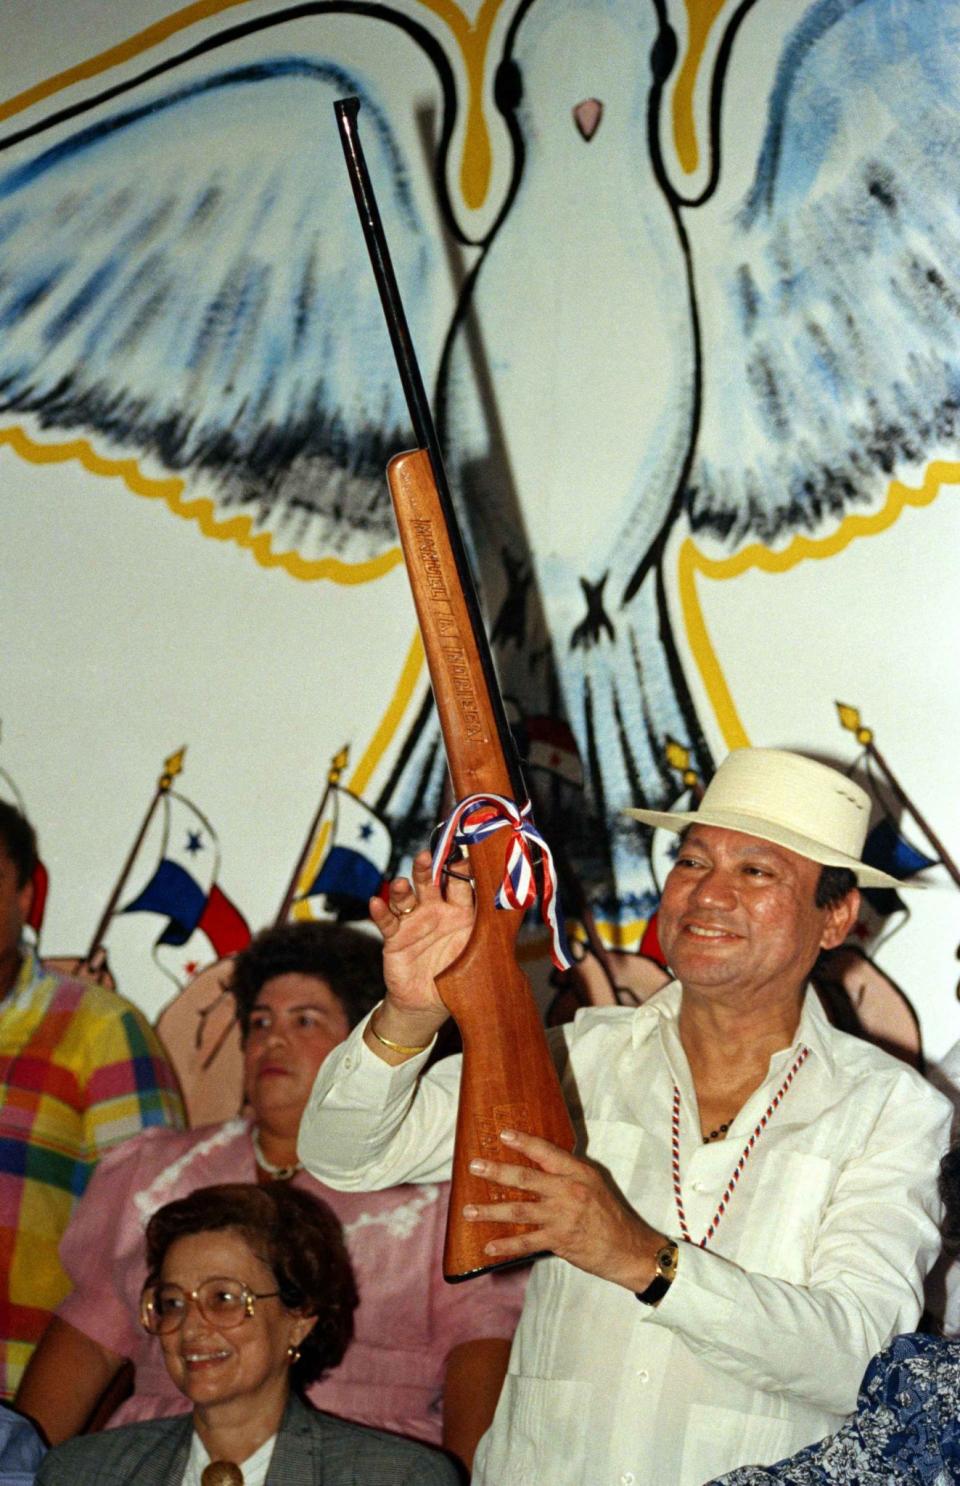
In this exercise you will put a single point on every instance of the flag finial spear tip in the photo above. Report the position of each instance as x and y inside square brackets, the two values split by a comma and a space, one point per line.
[172, 766]
[678, 757]
[850, 719]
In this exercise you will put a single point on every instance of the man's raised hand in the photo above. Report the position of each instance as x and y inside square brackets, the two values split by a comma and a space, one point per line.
[424, 928]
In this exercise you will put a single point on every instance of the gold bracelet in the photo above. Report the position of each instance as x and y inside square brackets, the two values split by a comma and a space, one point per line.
[395, 1047]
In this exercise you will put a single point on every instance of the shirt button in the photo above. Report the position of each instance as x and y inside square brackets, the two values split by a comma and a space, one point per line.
[627, 1479]
[348, 1063]
[642, 1375]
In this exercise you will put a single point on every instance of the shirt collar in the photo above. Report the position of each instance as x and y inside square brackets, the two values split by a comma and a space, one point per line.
[813, 1029]
[662, 1006]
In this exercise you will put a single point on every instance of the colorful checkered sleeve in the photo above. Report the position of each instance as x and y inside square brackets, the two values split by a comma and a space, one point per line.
[80, 1071]
[131, 1086]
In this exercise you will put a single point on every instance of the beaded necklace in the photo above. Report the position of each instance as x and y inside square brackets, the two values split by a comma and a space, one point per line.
[278, 1173]
[737, 1170]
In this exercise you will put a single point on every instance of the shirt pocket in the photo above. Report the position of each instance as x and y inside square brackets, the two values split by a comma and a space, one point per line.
[717, 1439]
[787, 1203]
[539, 1435]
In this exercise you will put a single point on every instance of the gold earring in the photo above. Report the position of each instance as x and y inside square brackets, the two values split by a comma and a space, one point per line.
[293, 1352]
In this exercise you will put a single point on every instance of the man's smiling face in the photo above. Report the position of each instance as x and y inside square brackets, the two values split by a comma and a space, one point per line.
[738, 915]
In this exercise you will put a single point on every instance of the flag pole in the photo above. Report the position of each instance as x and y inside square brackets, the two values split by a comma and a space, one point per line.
[850, 719]
[172, 766]
[337, 765]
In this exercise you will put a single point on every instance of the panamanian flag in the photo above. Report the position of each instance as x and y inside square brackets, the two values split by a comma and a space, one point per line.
[356, 847]
[183, 889]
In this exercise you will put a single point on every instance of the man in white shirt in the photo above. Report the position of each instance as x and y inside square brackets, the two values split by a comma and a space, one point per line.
[755, 1208]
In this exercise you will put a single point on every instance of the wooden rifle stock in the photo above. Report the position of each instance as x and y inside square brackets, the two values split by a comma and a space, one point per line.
[508, 1081]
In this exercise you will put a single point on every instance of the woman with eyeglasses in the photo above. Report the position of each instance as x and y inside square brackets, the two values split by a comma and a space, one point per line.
[250, 1296]
[427, 1359]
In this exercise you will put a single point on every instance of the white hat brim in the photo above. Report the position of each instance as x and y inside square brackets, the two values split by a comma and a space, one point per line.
[765, 830]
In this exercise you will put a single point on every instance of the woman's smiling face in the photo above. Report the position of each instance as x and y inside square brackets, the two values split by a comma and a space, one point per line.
[245, 1366]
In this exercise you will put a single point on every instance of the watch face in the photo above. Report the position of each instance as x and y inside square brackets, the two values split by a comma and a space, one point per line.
[667, 1261]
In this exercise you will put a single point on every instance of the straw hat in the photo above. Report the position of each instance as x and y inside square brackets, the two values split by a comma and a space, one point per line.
[789, 800]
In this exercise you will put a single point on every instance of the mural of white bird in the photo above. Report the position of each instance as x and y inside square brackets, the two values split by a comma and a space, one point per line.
[180, 276]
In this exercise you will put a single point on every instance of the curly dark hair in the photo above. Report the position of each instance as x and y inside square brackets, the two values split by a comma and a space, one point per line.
[297, 1236]
[348, 960]
[19, 841]
[950, 1195]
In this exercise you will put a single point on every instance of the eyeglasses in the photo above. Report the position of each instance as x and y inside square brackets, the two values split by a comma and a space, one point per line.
[221, 1302]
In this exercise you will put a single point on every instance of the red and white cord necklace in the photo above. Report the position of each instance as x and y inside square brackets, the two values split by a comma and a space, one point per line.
[731, 1187]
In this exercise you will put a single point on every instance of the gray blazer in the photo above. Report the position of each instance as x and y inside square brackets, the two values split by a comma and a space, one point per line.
[312, 1449]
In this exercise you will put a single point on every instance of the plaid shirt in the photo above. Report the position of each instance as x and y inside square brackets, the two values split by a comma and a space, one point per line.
[80, 1071]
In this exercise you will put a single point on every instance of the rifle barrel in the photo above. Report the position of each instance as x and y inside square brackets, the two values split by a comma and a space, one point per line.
[346, 110]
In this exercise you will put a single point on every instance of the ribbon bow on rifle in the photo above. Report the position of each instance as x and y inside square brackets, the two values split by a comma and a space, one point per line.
[477, 817]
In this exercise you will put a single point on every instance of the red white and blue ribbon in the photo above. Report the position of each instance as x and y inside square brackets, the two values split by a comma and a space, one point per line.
[476, 818]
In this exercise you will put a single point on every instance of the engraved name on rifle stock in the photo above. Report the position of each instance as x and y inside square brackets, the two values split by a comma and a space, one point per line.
[448, 630]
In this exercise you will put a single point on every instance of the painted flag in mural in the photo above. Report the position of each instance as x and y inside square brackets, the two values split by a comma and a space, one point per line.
[548, 743]
[356, 846]
[888, 849]
[41, 878]
[882, 910]
[183, 889]
[665, 845]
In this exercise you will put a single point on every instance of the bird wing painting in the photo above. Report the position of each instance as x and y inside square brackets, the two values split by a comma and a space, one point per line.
[645, 343]
[835, 299]
[181, 280]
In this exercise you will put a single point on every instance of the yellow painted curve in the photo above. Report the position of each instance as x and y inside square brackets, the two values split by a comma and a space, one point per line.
[373, 753]
[473, 39]
[471, 36]
[122, 51]
[692, 563]
[204, 512]
[701, 15]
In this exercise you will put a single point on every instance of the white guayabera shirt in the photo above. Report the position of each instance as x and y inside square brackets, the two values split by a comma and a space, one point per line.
[761, 1341]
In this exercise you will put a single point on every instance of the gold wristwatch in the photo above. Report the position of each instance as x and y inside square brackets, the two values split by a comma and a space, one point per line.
[664, 1276]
